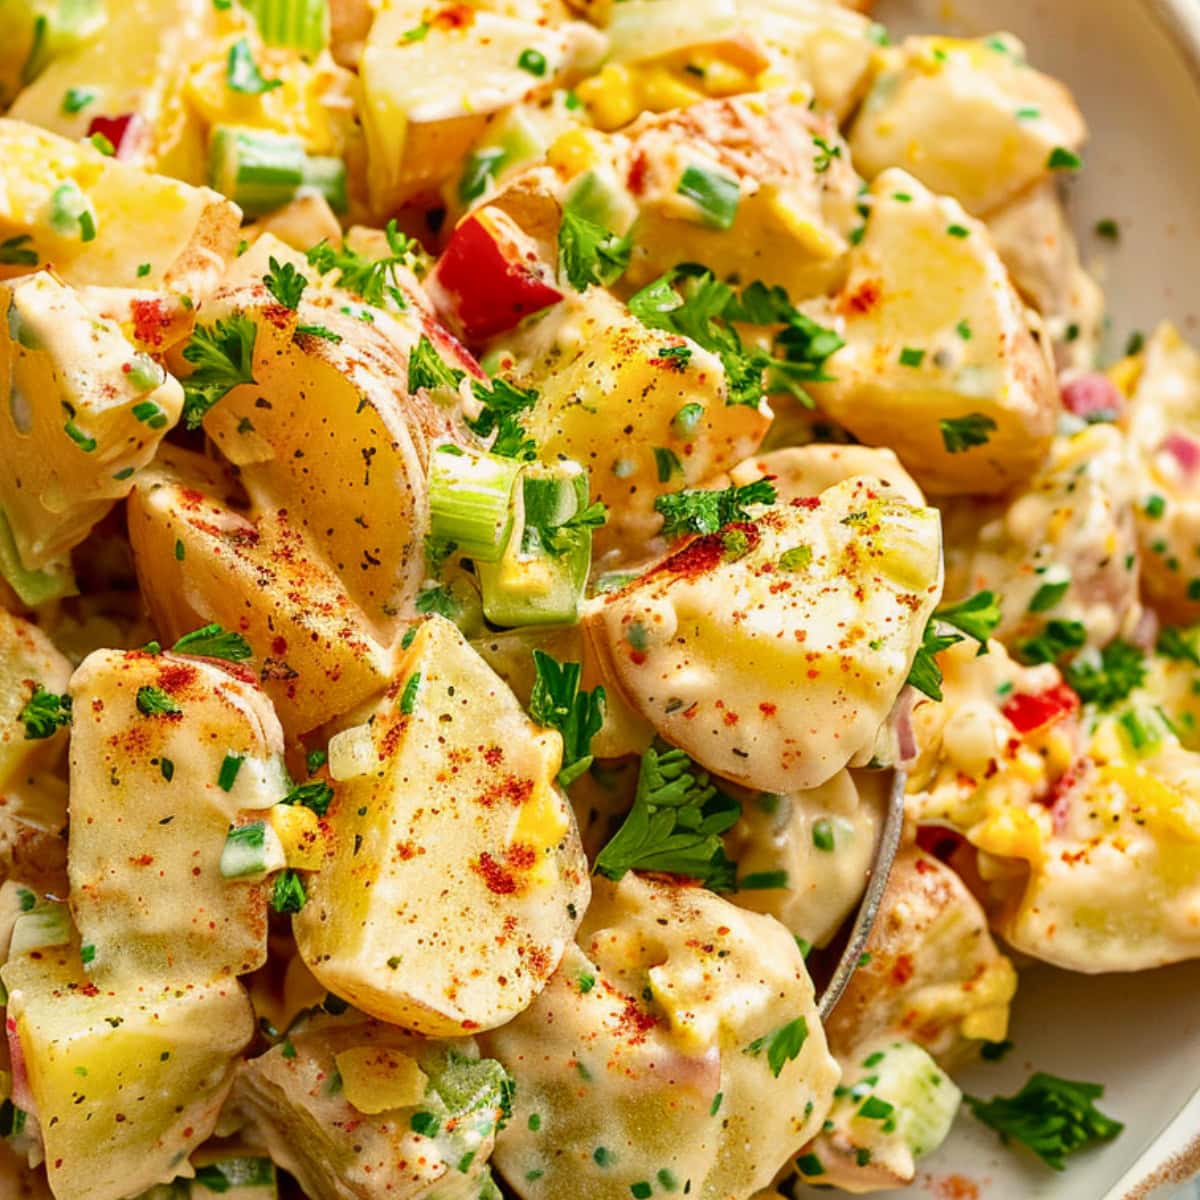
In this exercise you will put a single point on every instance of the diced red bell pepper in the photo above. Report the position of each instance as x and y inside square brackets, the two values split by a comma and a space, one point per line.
[1093, 395]
[124, 132]
[486, 281]
[1029, 712]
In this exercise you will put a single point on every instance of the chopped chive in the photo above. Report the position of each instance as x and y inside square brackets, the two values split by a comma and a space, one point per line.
[713, 192]
[911, 357]
[408, 698]
[958, 231]
[1062, 159]
[76, 99]
[82, 440]
[230, 766]
[822, 834]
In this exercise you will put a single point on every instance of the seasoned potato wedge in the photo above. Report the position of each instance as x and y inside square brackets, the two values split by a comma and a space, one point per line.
[678, 1042]
[773, 651]
[941, 362]
[595, 365]
[448, 790]
[934, 975]
[98, 220]
[970, 119]
[412, 1119]
[125, 1079]
[201, 559]
[167, 753]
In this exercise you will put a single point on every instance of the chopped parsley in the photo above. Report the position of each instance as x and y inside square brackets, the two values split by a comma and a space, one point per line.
[1109, 677]
[958, 231]
[1062, 159]
[213, 641]
[824, 154]
[316, 795]
[1176, 644]
[318, 331]
[1053, 1117]
[76, 99]
[1055, 640]
[223, 357]
[154, 702]
[588, 253]
[961, 433]
[373, 280]
[408, 697]
[285, 283]
[782, 1045]
[533, 61]
[557, 702]
[242, 73]
[910, 356]
[44, 713]
[667, 462]
[977, 617]
[692, 303]
[16, 251]
[288, 894]
[697, 510]
[1049, 595]
[502, 401]
[675, 824]
[427, 369]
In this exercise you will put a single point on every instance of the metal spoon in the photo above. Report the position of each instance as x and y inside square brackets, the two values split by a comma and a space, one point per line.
[868, 910]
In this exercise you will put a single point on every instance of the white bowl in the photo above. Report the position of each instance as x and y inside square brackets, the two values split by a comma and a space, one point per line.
[1134, 66]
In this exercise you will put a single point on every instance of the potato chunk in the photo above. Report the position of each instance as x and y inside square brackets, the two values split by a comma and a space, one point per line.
[329, 432]
[125, 1080]
[82, 410]
[934, 974]
[447, 792]
[1064, 547]
[201, 559]
[970, 119]
[412, 1119]
[185, 233]
[678, 1043]
[597, 368]
[941, 362]
[773, 650]
[799, 471]
[167, 752]
[1163, 424]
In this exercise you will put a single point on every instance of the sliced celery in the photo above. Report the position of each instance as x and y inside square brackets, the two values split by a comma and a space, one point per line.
[471, 500]
[261, 171]
[299, 24]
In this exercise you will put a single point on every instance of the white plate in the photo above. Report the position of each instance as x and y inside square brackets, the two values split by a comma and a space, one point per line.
[1134, 66]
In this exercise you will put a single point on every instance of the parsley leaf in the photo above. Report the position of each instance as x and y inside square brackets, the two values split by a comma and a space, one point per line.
[501, 402]
[977, 617]
[44, 713]
[154, 702]
[698, 306]
[695, 510]
[1055, 640]
[961, 433]
[242, 73]
[557, 702]
[288, 894]
[1053, 1117]
[372, 279]
[782, 1044]
[588, 253]
[1175, 643]
[438, 600]
[675, 824]
[427, 368]
[316, 795]
[1119, 669]
[212, 641]
[223, 355]
[285, 283]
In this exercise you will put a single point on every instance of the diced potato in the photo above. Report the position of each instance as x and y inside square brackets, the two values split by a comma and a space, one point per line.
[137, 64]
[27, 658]
[934, 974]
[447, 791]
[126, 1080]
[34, 32]
[153, 795]
[1035, 240]
[597, 368]
[1064, 548]
[896, 1106]
[970, 119]
[185, 233]
[1163, 425]
[940, 361]
[679, 1043]
[82, 411]
[301, 224]
[773, 651]
[330, 433]
[418, 127]
[201, 559]
[411, 1119]
[799, 471]
[796, 192]
[804, 857]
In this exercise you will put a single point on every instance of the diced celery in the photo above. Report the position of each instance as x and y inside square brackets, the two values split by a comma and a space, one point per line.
[598, 196]
[261, 171]
[244, 853]
[470, 500]
[299, 24]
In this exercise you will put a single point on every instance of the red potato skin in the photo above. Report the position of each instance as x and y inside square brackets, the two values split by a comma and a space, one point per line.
[483, 286]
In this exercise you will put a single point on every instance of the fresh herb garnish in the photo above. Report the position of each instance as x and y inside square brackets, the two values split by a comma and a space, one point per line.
[223, 357]
[1053, 1117]
[285, 283]
[154, 702]
[371, 279]
[17, 251]
[1174, 643]
[242, 73]
[44, 713]
[1108, 679]
[213, 641]
[502, 401]
[697, 510]
[427, 369]
[557, 702]
[714, 193]
[288, 894]
[675, 824]
[961, 433]
[782, 1044]
[1055, 640]
[976, 617]
[589, 254]
[316, 795]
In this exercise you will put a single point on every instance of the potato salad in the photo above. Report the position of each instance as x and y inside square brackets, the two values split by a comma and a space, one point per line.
[501, 503]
